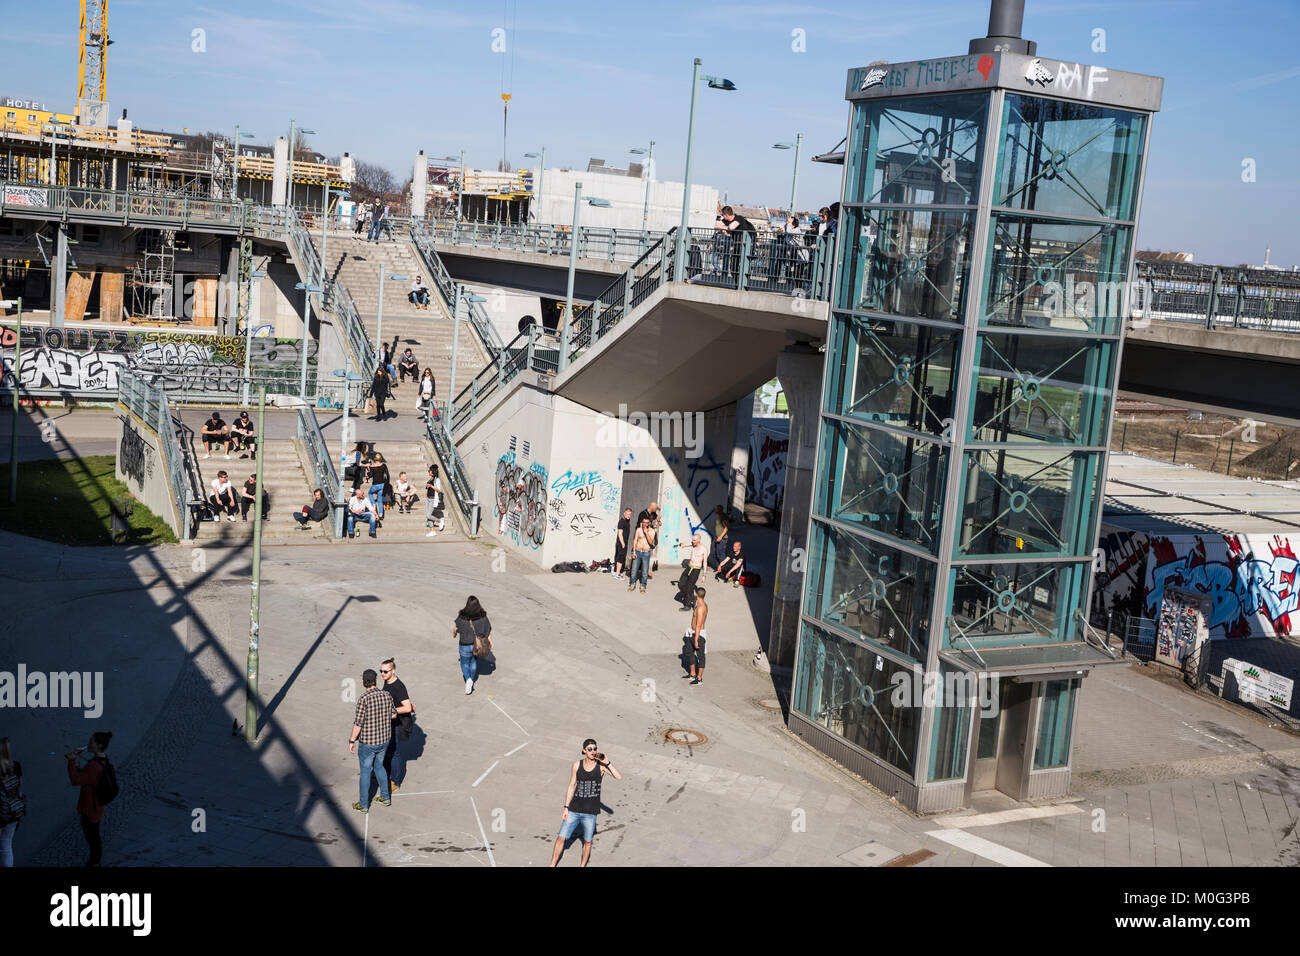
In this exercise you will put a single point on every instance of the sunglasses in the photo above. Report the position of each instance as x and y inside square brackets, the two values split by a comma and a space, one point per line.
[591, 749]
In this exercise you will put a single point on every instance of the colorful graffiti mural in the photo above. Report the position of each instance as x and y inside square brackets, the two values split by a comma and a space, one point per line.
[765, 483]
[88, 360]
[521, 501]
[1118, 584]
[1249, 595]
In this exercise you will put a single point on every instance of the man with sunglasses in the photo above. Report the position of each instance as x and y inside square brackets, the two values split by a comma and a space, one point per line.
[403, 722]
[582, 800]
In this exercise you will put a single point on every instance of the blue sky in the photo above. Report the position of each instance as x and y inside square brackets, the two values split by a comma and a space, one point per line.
[386, 78]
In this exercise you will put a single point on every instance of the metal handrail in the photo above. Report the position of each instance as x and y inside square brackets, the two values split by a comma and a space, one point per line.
[333, 298]
[149, 403]
[452, 292]
[438, 429]
[594, 242]
[327, 478]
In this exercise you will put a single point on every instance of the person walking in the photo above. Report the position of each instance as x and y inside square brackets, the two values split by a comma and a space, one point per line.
[428, 390]
[473, 631]
[403, 723]
[698, 616]
[656, 521]
[379, 391]
[98, 782]
[371, 730]
[378, 482]
[643, 543]
[223, 497]
[433, 503]
[359, 218]
[13, 803]
[622, 541]
[318, 510]
[582, 800]
[691, 574]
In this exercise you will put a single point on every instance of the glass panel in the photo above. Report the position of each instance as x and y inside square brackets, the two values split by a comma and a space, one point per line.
[1058, 275]
[952, 721]
[908, 262]
[892, 372]
[1028, 502]
[921, 150]
[884, 482]
[838, 686]
[1020, 603]
[1055, 721]
[987, 745]
[1041, 389]
[870, 589]
[1071, 159]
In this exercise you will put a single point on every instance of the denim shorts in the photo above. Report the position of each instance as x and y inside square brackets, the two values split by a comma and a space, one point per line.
[586, 820]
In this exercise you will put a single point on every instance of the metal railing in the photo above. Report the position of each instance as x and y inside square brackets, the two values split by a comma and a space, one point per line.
[794, 265]
[333, 298]
[125, 205]
[327, 479]
[149, 403]
[452, 292]
[594, 242]
[436, 425]
[1216, 298]
[535, 349]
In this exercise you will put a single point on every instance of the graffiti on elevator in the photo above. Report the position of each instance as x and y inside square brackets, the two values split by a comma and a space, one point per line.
[134, 455]
[585, 525]
[88, 360]
[521, 501]
[765, 482]
[1252, 583]
[587, 489]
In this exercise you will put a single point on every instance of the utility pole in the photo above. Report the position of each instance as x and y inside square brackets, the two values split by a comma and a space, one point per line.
[255, 611]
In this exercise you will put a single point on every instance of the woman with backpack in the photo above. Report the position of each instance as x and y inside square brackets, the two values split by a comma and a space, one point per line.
[473, 632]
[98, 782]
[13, 804]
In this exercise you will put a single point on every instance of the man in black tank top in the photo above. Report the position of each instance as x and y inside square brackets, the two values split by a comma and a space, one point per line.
[582, 800]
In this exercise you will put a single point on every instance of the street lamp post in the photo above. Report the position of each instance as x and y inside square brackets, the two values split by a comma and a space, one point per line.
[460, 190]
[248, 334]
[679, 255]
[797, 146]
[234, 190]
[345, 430]
[15, 370]
[289, 193]
[255, 604]
[649, 154]
[379, 322]
[541, 172]
[307, 290]
[578, 199]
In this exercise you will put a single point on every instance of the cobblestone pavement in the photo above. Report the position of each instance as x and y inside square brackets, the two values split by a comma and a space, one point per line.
[1181, 780]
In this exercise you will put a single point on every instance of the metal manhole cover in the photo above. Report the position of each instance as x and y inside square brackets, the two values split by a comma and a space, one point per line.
[769, 703]
[687, 738]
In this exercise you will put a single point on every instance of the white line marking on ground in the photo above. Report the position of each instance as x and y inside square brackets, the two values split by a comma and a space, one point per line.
[985, 848]
[422, 793]
[485, 773]
[519, 748]
[487, 846]
[965, 822]
[508, 717]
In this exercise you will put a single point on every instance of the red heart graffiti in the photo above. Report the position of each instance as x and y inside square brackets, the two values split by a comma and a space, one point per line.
[985, 65]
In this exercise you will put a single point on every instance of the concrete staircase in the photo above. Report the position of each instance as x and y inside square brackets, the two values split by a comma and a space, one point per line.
[355, 264]
[414, 458]
[284, 481]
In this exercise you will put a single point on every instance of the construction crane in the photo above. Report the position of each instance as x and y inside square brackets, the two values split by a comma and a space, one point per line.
[92, 57]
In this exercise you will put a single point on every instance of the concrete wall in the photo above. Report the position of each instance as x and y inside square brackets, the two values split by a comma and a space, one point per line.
[141, 467]
[542, 455]
[505, 307]
[627, 199]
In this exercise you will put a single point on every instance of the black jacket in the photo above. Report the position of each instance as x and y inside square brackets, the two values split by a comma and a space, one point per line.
[318, 510]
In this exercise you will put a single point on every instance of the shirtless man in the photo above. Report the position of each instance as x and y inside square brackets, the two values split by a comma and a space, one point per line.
[698, 617]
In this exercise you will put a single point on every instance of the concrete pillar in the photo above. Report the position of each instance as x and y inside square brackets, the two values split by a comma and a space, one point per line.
[799, 368]
[59, 288]
[419, 186]
[740, 453]
[280, 171]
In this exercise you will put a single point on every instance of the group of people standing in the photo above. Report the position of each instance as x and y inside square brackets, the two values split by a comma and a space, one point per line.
[370, 504]
[389, 376]
[372, 217]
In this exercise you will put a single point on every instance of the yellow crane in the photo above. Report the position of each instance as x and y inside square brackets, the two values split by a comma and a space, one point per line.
[92, 57]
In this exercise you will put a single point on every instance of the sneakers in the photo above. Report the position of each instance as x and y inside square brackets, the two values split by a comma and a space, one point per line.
[227, 458]
[393, 785]
[643, 589]
[388, 801]
[432, 534]
[206, 455]
[469, 686]
[230, 518]
[373, 535]
[358, 806]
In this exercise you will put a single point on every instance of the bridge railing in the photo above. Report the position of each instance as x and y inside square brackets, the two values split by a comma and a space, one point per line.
[1216, 298]
[76, 202]
[322, 466]
[334, 298]
[594, 242]
[150, 404]
[533, 350]
[452, 293]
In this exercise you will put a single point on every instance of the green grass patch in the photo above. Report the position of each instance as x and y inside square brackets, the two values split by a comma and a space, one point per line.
[67, 500]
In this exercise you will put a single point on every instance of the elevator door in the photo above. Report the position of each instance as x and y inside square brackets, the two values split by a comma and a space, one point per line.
[1001, 741]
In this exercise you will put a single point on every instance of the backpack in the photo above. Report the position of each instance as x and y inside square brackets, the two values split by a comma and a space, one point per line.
[106, 789]
[750, 579]
[13, 805]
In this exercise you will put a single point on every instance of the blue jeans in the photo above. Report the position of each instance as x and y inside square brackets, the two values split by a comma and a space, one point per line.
[372, 761]
[376, 495]
[395, 760]
[641, 567]
[587, 821]
[374, 229]
[468, 662]
[352, 521]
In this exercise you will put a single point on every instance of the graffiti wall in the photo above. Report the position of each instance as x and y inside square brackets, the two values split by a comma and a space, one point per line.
[88, 360]
[140, 467]
[520, 504]
[769, 445]
[1119, 584]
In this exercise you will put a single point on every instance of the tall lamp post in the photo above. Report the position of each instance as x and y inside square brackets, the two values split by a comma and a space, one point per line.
[679, 255]
[578, 200]
[255, 602]
[469, 298]
[292, 150]
[649, 154]
[345, 431]
[248, 334]
[797, 146]
[541, 172]
[379, 322]
[234, 191]
[16, 371]
[307, 290]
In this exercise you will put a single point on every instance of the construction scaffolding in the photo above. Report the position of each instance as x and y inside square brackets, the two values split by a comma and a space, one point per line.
[153, 276]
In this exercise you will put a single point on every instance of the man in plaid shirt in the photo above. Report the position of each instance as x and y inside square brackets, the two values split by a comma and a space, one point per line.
[372, 727]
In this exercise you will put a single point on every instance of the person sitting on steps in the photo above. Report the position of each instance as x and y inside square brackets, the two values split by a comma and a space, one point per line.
[318, 510]
[407, 365]
[403, 493]
[419, 293]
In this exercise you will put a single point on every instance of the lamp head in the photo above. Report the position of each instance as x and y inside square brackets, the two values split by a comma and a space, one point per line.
[720, 83]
